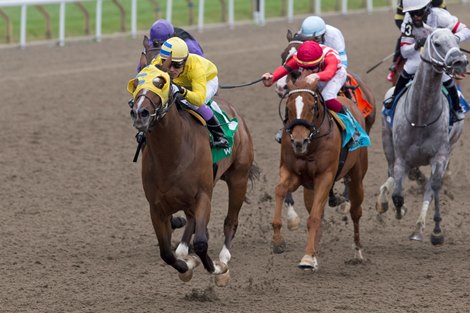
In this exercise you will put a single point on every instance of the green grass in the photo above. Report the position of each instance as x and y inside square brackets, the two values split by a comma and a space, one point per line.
[75, 22]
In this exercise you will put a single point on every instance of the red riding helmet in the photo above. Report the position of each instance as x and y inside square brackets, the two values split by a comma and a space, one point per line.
[309, 54]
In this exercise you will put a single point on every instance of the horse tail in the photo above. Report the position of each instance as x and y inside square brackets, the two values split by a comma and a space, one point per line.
[253, 175]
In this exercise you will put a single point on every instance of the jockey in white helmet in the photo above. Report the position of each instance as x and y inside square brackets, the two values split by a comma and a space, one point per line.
[314, 28]
[419, 22]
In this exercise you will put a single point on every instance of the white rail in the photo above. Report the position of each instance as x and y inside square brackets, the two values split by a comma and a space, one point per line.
[258, 14]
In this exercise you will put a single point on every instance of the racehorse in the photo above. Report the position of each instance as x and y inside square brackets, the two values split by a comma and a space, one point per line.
[420, 132]
[150, 51]
[310, 157]
[178, 172]
[339, 201]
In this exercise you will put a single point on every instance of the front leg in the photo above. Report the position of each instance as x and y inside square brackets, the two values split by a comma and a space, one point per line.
[322, 185]
[287, 182]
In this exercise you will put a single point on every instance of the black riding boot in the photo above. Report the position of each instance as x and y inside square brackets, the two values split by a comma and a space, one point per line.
[401, 83]
[219, 138]
[457, 111]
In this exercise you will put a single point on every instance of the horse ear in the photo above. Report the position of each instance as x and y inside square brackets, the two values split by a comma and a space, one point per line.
[146, 43]
[143, 60]
[289, 35]
[290, 84]
[159, 82]
[132, 85]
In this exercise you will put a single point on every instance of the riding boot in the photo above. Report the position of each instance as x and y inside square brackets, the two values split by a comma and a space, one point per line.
[457, 110]
[278, 135]
[219, 140]
[401, 84]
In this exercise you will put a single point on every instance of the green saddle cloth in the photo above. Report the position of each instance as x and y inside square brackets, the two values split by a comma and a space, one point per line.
[229, 126]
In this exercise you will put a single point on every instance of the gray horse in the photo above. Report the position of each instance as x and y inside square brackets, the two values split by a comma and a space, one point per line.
[420, 133]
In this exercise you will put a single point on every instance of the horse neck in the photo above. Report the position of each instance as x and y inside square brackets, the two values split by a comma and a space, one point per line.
[424, 93]
[166, 139]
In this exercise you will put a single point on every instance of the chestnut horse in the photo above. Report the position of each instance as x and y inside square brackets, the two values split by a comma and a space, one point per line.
[178, 173]
[310, 157]
[339, 201]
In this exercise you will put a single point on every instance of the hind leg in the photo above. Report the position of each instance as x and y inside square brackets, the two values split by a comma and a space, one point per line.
[356, 189]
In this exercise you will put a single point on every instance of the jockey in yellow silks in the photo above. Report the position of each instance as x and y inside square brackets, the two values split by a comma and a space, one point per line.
[195, 78]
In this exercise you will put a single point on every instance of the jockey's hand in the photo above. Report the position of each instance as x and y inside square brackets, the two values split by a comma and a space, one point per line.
[420, 43]
[183, 91]
[267, 79]
[312, 78]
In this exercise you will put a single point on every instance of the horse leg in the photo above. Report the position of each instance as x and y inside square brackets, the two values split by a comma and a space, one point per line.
[200, 242]
[381, 206]
[357, 197]
[293, 219]
[279, 245]
[183, 248]
[421, 222]
[398, 198]
[437, 237]
[415, 174]
[388, 187]
[323, 184]
[162, 228]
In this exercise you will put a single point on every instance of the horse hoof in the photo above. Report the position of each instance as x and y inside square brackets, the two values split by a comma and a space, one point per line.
[185, 277]
[308, 263]
[293, 223]
[279, 248]
[418, 236]
[400, 212]
[220, 268]
[437, 239]
[381, 207]
[343, 208]
[222, 280]
[177, 222]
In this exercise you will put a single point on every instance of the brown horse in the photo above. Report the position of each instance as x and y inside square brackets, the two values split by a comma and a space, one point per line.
[178, 173]
[310, 155]
[339, 201]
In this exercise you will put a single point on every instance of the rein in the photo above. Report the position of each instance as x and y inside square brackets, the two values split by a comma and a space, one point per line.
[240, 85]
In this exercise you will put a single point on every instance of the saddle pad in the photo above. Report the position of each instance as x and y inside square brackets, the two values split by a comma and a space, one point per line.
[229, 126]
[363, 104]
[353, 132]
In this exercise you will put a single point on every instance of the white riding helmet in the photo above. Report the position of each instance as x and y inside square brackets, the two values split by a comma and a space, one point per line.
[313, 26]
[413, 5]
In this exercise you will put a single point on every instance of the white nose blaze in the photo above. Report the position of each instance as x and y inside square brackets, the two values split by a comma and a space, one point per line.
[299, 106]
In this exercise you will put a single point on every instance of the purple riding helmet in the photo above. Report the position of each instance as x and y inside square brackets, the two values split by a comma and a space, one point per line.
[160, 31]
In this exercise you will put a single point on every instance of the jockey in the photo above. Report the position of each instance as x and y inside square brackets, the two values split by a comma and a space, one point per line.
[399, 16]
[419, 22]
[161, 30]
[323, 64]
[314, 28]
[195, 78]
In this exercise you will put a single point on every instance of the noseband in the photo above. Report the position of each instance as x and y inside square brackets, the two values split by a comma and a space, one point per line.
[314, 130]
[159, 111]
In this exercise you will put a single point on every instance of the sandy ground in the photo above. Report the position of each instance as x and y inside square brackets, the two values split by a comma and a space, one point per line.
[75, 229]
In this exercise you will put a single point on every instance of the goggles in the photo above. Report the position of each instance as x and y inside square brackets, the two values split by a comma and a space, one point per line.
[176, 65]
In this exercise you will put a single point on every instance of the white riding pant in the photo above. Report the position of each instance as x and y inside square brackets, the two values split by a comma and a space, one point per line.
[329, 89]
[211, 88]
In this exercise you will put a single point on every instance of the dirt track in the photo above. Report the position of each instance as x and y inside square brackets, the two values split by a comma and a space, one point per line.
[75, 229]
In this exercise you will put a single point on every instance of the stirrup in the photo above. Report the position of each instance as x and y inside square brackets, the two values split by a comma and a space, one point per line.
[458, 115]
[221, 142]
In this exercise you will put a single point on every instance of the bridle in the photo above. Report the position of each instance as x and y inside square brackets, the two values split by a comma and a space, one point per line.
[314, 131]
[439, 63]
[159, 111]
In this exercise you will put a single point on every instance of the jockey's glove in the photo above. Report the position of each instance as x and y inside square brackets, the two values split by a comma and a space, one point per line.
[420, 43]
[183, 91]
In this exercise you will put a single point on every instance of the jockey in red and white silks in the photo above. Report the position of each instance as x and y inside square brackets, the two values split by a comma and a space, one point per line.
[323, 63]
